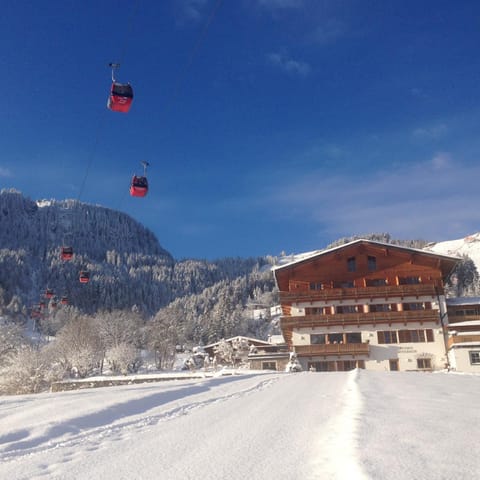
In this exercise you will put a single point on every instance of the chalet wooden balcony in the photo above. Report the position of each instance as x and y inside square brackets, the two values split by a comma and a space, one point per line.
[459, 339]
[452, 318]
[333, 349]
[343, 319]
[386, 292]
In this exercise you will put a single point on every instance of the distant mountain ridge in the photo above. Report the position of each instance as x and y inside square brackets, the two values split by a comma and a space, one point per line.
[128, 266]
[91, 230]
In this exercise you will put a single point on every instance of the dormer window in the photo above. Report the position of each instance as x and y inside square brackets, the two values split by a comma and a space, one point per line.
[351, 264]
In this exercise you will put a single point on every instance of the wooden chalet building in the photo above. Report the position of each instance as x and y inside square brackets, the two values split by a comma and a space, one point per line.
[366, 304]
[464, 333]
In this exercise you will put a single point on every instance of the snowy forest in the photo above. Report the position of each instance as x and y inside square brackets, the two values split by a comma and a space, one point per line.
[139, 298]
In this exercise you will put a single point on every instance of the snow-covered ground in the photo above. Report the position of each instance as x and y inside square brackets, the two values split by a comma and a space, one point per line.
[343, 425]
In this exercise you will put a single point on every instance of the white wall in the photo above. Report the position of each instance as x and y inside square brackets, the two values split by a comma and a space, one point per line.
[460, 359]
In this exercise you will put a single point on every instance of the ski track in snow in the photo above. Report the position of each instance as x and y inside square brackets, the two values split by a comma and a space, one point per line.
[89, 432]
[337, 448]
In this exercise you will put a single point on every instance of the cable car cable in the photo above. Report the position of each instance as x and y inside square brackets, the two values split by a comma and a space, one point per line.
[193, 53]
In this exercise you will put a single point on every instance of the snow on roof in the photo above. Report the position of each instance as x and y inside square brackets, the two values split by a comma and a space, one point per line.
[308, 255]
[239, 337]
[295, 257]
[463, 301]
[276, 339]
[44, 203]
[469, 323]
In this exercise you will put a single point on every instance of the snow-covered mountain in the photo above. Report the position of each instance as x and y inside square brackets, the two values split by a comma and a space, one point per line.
[469, 245]
[128, 267]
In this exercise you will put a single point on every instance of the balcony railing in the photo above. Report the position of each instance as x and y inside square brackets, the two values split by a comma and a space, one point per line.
[452, 318]
[463, 339]
[333, 349]
[407, 316]
[386, 292]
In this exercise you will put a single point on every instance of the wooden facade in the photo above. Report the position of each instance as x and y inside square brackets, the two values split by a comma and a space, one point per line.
[366, 304]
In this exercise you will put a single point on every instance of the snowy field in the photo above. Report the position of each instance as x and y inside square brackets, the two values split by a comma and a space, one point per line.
[352, 425]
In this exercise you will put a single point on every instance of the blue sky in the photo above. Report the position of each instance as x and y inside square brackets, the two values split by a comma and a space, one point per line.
[270, 125]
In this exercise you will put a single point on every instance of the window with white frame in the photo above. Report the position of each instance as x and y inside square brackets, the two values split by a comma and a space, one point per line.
[474, 357]
[424, 363]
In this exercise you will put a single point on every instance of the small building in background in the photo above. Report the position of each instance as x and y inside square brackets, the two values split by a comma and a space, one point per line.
[464, 334]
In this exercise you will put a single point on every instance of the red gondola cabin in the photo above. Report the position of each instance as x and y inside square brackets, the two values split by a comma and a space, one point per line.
[84, 277]
[67, 253]
[139, 186]
[121, 97]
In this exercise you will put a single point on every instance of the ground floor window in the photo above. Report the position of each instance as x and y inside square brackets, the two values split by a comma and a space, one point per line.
[336, 365]
[269, 365]
[424, 363]
[475, 358]
[393, 365]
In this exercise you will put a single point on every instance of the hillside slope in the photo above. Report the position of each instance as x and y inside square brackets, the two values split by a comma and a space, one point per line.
[469, 245]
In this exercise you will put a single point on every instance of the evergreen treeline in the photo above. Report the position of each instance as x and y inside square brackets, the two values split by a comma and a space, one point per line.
[128, 267]
[380, 237]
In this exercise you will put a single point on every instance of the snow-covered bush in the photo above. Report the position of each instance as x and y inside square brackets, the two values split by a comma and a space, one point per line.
[224, 353]
[78, 348]
[11, 340]
[28, 371]
[293, 364]
[123, 358]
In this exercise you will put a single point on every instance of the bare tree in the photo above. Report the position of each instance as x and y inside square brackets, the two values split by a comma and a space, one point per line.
[78, 347]
[120, 327]
[11, 340]
[163, 337]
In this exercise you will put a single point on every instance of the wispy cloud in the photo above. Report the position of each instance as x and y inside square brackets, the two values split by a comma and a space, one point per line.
[431, 132]
[418, 92]
[280, 4]
[288, 64]
[328, 32]
[436, 199]
[5, 172]
[191, 10]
